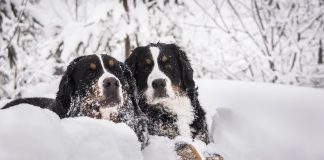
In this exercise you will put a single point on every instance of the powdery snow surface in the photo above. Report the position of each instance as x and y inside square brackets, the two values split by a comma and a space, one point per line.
[31, 133]
[252, 121]
[161, 148]
[247, 121]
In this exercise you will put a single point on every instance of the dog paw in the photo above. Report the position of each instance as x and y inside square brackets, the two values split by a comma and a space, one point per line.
[187, 151]
[214, 157]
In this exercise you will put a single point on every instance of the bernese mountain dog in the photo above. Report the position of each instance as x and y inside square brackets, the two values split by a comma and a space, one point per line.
[167, 92]
[96, 86]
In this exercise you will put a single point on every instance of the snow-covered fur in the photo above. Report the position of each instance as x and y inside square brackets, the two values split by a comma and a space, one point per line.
[96, 86]
[167, 92]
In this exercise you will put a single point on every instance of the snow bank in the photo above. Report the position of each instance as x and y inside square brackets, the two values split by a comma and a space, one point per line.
[31, 133]
[263, 121]
[248, 121]
[160, 148]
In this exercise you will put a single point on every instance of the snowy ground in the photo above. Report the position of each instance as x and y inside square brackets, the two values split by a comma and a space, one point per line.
[247, 120]
[32, 133]
[264, 121]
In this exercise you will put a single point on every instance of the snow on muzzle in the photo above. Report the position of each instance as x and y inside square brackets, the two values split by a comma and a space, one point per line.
[110, 90]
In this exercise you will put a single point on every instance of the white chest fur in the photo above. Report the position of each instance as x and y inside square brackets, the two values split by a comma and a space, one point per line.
[182, 107]
[107, 112]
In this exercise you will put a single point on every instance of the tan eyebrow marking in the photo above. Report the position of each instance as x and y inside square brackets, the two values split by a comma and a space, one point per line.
[164, 58]
[111, 62]
[148, 61]
[93, 66]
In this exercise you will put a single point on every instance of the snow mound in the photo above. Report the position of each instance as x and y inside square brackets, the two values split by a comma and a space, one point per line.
[247, 121]
[267, 135]
[31, 133]
[160, 148]
[252, 121]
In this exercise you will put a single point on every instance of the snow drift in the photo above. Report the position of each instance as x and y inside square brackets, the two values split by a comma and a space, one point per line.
[31, 133]
[252, 121]
[247, 121]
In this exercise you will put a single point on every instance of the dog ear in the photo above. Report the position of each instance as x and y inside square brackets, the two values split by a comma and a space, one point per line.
[140, 121]
[66, 89]
[131, 60]
[185, 67]
[127, 74]
[132, 89]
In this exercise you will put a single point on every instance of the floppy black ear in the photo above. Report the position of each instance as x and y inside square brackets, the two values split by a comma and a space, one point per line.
[131, 60]
[128, 77]
[186, 70]
[66, 89]
[132, 89]
[140, 121]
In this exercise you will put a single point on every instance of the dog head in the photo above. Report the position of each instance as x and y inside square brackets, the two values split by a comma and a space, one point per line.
[162, 72]
[93, 84]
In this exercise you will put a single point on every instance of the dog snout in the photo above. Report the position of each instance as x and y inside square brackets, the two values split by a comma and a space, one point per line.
[111, 90]
[159, 83]
[111, 84]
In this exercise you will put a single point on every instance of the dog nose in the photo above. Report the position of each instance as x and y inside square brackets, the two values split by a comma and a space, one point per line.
[110, 83]
[159, 84]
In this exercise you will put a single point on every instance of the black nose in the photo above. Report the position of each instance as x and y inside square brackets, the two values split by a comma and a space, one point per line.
[159, 84]
[110, 83]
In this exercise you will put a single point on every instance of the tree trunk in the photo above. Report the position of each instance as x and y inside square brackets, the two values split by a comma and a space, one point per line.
[127, 46]
[127, 41]
[320, 52]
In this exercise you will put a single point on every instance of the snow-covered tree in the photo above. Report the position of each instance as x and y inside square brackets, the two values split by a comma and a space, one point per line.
[269, 40]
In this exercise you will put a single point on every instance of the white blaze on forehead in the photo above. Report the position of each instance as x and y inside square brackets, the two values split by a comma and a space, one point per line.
[156, 73]
[104, 76]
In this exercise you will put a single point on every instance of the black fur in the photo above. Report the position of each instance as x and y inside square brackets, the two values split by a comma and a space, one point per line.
[79, 84]
[179, 71]
[66, 90]
[161, 120]
[37, 101]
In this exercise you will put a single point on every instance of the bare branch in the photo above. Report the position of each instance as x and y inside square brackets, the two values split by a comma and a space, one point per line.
[243, 25]
[211, 17]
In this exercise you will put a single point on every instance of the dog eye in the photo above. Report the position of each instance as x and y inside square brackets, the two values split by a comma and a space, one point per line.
[148, 65]
[92, 71]
[117, 71]
[146, 70]
[89, 74]
[168, 67]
